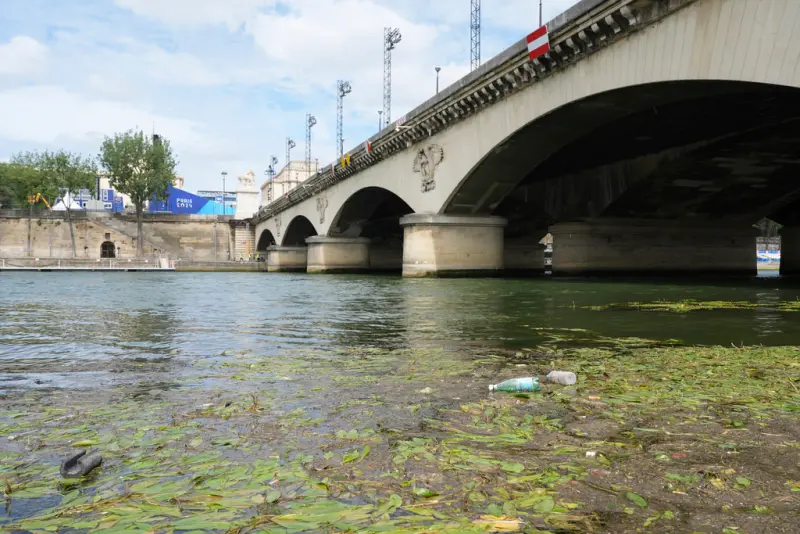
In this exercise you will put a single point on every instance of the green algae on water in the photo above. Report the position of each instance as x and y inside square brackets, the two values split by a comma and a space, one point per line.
[327, 442]
[690, 305]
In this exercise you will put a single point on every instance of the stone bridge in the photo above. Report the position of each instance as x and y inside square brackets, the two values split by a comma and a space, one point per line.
[650, 139]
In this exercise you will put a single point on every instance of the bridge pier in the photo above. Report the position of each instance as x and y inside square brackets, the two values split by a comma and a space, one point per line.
[386, 255]
[445, 245]
[337, 254]
[652, 248]
[790, 250]
[524, 256]
[286, 259]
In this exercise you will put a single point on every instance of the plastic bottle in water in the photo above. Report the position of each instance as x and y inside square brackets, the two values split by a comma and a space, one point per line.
[565, 378]
[515, 385]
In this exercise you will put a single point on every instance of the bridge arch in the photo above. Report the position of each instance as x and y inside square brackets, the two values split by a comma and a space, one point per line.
[712, 148]
[297, 231]
[684, 60]
[374, 213]
[265, 239]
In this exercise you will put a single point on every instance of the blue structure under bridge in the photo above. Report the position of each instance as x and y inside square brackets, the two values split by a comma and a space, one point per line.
[182, 202]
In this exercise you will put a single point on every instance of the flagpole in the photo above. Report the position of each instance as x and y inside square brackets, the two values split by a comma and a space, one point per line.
[540, 13]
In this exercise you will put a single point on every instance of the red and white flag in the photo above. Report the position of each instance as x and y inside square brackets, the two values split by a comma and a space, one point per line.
[538, 43]
[368, 147]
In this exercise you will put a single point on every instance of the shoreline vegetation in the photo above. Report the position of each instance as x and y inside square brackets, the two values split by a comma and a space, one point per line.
[656, 437]
[690, 305]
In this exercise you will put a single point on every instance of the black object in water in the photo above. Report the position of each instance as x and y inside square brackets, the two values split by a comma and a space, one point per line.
[80, 465]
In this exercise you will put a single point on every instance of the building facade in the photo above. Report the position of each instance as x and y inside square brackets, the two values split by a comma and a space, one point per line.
[287, 179]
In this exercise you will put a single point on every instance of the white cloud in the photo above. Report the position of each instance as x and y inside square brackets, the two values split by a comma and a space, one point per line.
[47, 115]
[320, 42]
[188, 13]
[122, 58]
[22, 57]
[178, 68]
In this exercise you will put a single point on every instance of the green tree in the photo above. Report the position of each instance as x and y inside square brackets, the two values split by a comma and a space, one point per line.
[22, 178]
[27, 183]
[7, 186]
[69, 173]
[141, 167]
[768, 227]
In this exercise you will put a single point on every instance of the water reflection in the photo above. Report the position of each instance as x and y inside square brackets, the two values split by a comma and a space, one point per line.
[92, 330]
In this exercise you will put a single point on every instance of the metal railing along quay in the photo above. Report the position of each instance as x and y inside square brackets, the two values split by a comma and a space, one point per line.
[69, 264]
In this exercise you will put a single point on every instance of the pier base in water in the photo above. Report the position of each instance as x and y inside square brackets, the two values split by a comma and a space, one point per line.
[652, 248]
[286, 259]
[338, 254]
[445, 245]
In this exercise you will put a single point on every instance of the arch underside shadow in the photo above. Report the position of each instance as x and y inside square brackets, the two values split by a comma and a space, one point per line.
[374, 213]
[299, 229]
[702, 150]
[266, 239]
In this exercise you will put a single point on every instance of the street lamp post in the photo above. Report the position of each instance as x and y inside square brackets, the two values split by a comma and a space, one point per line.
[437, 78]
[224, 174]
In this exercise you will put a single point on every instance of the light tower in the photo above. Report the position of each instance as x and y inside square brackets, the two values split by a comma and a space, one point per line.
[475, 35]
[311, 120]
[391, 36]
[289, 146]
[342, 89]
[270, 172]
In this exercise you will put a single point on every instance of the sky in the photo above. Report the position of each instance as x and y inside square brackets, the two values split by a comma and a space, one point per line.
[226, 81]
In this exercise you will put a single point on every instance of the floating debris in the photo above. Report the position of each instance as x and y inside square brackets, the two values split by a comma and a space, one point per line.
[80, 464]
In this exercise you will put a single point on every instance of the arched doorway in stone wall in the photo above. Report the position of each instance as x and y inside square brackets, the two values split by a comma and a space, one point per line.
[108, 250]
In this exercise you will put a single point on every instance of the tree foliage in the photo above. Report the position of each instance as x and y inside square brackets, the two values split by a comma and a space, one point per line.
[768, 227]
[23, 178]
[6, 186]
[68, 171]
[59, 172]
[140, 167]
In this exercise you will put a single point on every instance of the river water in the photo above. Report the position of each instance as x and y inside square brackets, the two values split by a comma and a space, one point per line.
[94, 330]
[198, 387]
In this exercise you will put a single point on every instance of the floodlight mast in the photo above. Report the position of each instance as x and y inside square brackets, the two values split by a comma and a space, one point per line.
[290, 144]
[391, 36]
[475, 35]
[270, 172]
[311, 120]
[343, 88]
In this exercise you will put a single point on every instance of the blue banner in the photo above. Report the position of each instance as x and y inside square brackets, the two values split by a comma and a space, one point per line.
[182, 202]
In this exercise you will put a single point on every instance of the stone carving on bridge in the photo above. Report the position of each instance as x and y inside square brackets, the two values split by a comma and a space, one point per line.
[425, 163]
[278, 226]
[322, 204]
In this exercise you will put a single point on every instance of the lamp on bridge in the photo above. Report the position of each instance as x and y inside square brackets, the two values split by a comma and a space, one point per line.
[224, 174]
